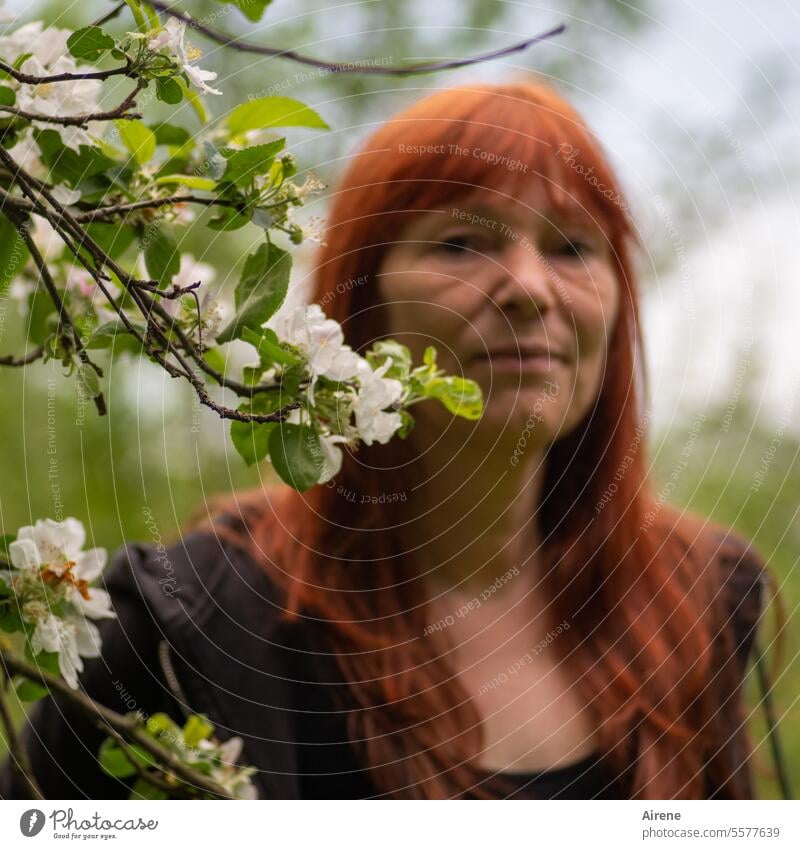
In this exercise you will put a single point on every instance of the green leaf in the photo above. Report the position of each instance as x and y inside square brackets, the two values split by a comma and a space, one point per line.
[273, 112]
[115, 334]
[161, 254]
[46, 661]
[162, 725]
[194, 100]
[139, 139]
[169, 134]
[461, 397]
[7, 96]
[41, 316]
[143, 789]
[269, 348]
[68, 166]
[213, 161]
[251, 439]
[88, 378]
[260, 291]
[30, 691]
[11, 621]
[114, 761]
[89, 43]
[230, 218]
[114, 239]
[401, 358]
[197, 728]
[245, 164]
[168, 90]
[202, 183]
[252, 9]
[296, 455]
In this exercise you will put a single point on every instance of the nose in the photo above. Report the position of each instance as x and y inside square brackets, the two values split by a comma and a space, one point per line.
[526, 288]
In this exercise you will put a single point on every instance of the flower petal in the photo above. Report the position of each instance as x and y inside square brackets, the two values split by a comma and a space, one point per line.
[24, 554]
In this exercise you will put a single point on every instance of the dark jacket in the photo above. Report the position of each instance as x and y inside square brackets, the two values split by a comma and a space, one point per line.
[198, 631]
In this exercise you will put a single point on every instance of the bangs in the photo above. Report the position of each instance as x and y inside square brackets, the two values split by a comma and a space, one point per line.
[459, 141]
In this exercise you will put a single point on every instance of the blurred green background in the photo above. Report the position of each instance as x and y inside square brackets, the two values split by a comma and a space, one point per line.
[695, 110]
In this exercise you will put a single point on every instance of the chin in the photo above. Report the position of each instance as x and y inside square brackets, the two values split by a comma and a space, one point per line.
[523, 414]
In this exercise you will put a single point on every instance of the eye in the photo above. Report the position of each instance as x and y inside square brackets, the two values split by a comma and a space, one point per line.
[458, 243]
[573, 248]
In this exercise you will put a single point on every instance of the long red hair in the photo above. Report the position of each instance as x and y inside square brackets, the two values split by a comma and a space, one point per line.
[629, 572]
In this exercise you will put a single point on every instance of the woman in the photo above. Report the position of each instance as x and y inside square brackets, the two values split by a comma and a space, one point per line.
[501, 607]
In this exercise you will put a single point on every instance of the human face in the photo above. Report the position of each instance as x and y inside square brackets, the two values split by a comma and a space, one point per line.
[512, 295]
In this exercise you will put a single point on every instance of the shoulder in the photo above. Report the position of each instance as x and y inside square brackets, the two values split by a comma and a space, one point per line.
[742, 584]
[189, 580]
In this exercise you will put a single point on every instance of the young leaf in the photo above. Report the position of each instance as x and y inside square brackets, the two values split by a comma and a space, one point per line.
[161, 254]
[7, 96]
[269, 349]
[296, 455]
[251, 439]
[30, 691]
[168, 91]
[122, 763]
[169, 134]
[205, 184]
[252, 9]
[89, 43]
[230, 218]
[197, 728]
[245, 164]
[138, 139]
[461, 397]
[273, 112]
[260, 291]
[143, 789]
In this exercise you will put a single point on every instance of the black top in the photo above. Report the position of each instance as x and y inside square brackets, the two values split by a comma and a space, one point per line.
[198, 631]
[588, 778]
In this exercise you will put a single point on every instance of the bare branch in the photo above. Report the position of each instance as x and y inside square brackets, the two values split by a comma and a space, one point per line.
[119, 113]
[33, 79]
[362, 67]
[124, 725]
[32, 355]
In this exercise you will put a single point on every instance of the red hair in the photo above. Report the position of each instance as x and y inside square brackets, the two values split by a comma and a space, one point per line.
[629, 573]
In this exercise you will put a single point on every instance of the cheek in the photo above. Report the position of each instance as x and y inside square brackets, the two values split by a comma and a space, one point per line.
[423, 308]
[594, 312]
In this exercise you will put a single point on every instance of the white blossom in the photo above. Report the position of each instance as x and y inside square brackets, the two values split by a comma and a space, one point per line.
[50, 572]
[171, 37]
[375, 394]
[235, 779]
[321, 340]
[50, 55]
[26, 154]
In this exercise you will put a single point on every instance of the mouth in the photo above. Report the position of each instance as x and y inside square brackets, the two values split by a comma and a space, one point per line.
[522, 358]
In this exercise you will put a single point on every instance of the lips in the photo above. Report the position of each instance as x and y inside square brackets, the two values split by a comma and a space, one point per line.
[522, 352]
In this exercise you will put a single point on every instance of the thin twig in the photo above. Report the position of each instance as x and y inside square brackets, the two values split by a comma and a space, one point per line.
[365, 67]
[118, 113]
[111, 15]
[129, 727]
[31, 356]
[33, 79]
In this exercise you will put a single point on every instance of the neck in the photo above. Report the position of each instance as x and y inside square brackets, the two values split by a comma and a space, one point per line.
[475, 514]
